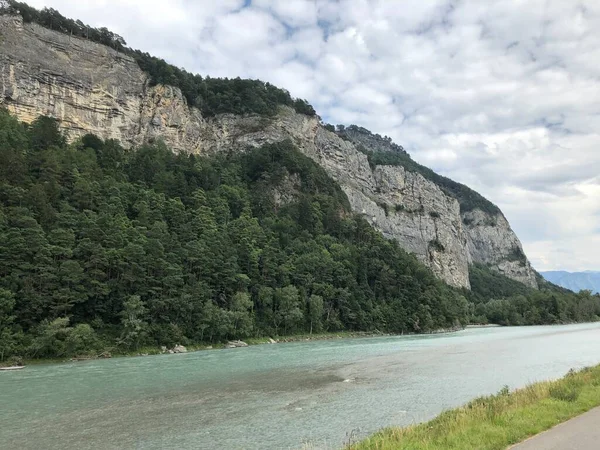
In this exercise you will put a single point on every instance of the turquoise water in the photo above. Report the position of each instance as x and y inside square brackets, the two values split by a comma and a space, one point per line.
[299, 395]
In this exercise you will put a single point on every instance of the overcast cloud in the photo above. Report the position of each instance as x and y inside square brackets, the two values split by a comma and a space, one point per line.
[501, 95]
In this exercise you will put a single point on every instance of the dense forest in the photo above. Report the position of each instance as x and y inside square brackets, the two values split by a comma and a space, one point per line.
[210, 95]
[106, 248]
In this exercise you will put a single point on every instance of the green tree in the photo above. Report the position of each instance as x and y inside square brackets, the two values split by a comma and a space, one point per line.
[8, 338]
[315, 312]
[288, 314]
[132, 321]
[51, 337]
[81, 339]
[241, 307]
[45, 133]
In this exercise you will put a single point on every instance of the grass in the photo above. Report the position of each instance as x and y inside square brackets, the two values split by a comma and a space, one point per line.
[497, 421]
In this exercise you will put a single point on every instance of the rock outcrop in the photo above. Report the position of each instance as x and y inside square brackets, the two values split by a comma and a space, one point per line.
[179, 349]
[491, 241]
[91, 88]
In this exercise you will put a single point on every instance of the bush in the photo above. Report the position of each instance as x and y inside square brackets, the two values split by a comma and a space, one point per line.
[436, 245]
[565, 393]
[504, 391]
[81, 339]
[385, 208]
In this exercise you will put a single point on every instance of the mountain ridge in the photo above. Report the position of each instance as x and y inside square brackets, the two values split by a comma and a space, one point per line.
[575, 281]
[91, 88]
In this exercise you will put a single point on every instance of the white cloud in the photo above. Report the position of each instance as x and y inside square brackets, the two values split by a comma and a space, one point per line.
[500, 95]
[294, 13]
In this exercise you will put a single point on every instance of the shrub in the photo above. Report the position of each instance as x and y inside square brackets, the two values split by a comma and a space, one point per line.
[566, 393]
[436, 245]
[385, 208]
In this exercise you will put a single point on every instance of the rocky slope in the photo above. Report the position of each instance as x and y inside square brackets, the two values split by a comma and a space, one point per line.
[91, 88]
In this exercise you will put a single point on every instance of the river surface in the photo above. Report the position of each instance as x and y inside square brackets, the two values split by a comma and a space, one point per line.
[313, 395]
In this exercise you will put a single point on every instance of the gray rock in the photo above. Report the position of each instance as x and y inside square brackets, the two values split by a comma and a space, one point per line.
[236, 344]
[491, 241]
[179, 349]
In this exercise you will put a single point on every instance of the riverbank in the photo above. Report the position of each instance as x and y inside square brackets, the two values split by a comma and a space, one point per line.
[196, 347]
[497, 421]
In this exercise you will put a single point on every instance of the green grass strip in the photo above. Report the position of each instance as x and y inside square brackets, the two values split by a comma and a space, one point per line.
[500, 420]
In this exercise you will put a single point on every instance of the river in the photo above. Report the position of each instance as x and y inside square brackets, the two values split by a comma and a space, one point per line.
[314, 395]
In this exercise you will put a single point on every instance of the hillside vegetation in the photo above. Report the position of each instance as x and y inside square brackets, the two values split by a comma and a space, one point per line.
[100, 246]
[106, 248]
[498, 299]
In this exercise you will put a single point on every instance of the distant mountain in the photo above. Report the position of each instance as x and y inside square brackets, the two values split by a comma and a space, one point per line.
[575, 281]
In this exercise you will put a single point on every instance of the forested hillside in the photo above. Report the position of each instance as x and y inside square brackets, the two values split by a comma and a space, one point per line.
[106, 248]
[103, 247]
[500, 300]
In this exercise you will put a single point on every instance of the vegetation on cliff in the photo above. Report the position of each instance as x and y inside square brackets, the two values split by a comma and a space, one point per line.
[242, 96]
[498, 421]
[467, 197]
[210, 95]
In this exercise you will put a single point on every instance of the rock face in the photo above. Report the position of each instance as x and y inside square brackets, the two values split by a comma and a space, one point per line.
[491, 241]
[90, 88]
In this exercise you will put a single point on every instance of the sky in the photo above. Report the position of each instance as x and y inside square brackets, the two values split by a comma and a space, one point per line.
[503, 96]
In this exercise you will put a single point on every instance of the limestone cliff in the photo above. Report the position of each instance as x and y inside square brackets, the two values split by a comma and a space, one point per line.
[491, 241]
[90, 88]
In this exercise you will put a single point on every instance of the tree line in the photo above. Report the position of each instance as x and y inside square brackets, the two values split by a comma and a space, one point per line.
[500, 300]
